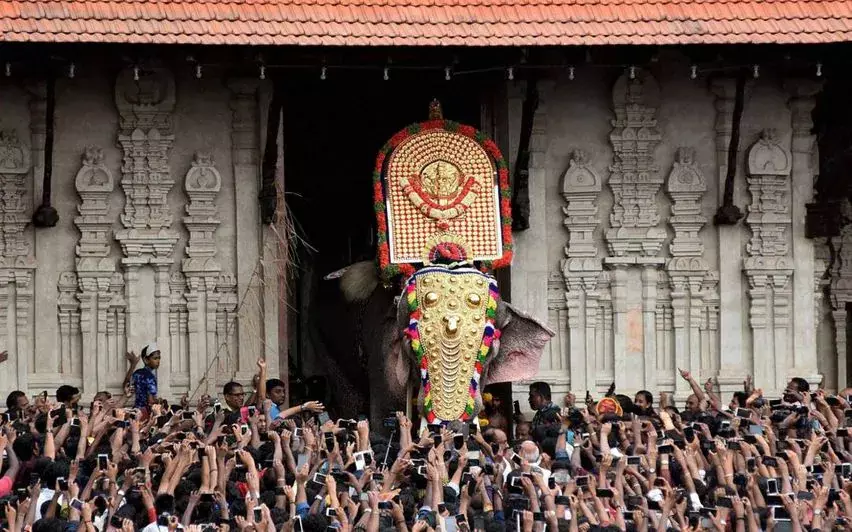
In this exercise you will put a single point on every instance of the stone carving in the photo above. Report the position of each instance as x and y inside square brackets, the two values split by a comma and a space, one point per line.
[202, 184]
[15, 203]
[635, 178]
[686, 186]
[581, 187]
[769, 185]
[94, 183]
[145, 108]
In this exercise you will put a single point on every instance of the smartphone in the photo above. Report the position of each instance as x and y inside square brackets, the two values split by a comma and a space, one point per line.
[103, 461]
[634, 460]
[77, 504]
[319, 478]
[770, 461]
[251, 410]
[458, 441]
[63, 484]
[461, 518]
[217, 407]
[75, 422]
[258, 515]
[323, 418]
[689, 433]
[665, 449]
[186, 415]
[602, 493]
[582, 481]
[771, 486]
[743, 413]
[442, 507]
[297, 524]
[330, 512]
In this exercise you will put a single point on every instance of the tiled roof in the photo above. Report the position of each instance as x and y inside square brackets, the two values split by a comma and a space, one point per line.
[427, 22]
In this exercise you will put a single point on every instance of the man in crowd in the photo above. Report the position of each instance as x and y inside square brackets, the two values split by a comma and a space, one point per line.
[236, 406]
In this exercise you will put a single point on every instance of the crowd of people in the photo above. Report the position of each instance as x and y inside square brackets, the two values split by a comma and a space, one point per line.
[248, 462]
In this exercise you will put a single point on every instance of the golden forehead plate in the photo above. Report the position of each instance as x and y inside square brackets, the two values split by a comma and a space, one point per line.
[452, 343]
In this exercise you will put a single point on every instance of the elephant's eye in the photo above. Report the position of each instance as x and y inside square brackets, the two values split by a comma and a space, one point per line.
[473, 300]
[431, 299]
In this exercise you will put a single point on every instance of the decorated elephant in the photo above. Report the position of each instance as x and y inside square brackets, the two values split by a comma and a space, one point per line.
[432, 318]
[448, 335]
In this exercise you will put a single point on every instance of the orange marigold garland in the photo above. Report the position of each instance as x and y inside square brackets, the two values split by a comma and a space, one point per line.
[388, 270]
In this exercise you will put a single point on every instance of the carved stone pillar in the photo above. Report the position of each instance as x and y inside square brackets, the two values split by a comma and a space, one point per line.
[145, 98]
[802, 100]
[768, 266]
[687, 267]
[16, 259]
[731, 348]
[201, 269]
[635, 239]
[94, 184]
[582, 268]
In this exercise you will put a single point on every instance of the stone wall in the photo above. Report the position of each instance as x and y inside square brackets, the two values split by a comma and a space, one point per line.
[156, 182]
[623, 256]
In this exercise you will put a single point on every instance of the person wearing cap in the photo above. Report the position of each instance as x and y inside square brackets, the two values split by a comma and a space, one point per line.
[144, 379]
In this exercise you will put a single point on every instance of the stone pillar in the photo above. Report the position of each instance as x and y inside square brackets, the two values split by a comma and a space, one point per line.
[245, 155]
[94, 267]
[200, 267]
[687, 268]
[802, 100]
[634, 240]
[731, 338]
[768, 266]
[582, 268]
[145, 98]
[16, 255]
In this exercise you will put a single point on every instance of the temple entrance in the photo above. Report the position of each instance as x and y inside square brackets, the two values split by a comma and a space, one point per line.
[333, 129]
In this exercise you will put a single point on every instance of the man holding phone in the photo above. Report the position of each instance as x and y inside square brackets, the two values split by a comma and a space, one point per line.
[236, 406]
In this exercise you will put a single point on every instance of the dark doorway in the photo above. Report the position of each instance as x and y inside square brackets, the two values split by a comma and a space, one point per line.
[333, 129]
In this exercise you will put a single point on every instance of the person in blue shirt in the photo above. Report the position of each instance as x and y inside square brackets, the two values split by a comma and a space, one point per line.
[144, 379]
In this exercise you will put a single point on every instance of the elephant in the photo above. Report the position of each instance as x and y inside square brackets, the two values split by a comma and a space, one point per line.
[392, 366]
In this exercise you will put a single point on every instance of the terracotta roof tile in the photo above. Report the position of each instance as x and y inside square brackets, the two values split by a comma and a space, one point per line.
[427, 22]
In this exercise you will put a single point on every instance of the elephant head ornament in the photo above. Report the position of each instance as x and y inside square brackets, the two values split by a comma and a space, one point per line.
[459, 335]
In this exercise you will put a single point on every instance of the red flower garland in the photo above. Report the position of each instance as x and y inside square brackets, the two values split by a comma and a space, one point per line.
[388, 270]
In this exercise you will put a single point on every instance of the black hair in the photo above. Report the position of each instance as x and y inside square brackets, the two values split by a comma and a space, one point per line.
[801, 384]
[230, 386]
[648, 396]
[273, 383]
[66, 393]
[541, 388]
[12, 399]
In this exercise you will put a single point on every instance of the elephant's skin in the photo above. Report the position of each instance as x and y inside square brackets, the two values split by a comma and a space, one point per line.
[393, 367]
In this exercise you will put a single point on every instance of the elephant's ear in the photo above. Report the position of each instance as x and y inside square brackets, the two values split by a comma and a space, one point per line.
[518, 351]
[401, 360]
